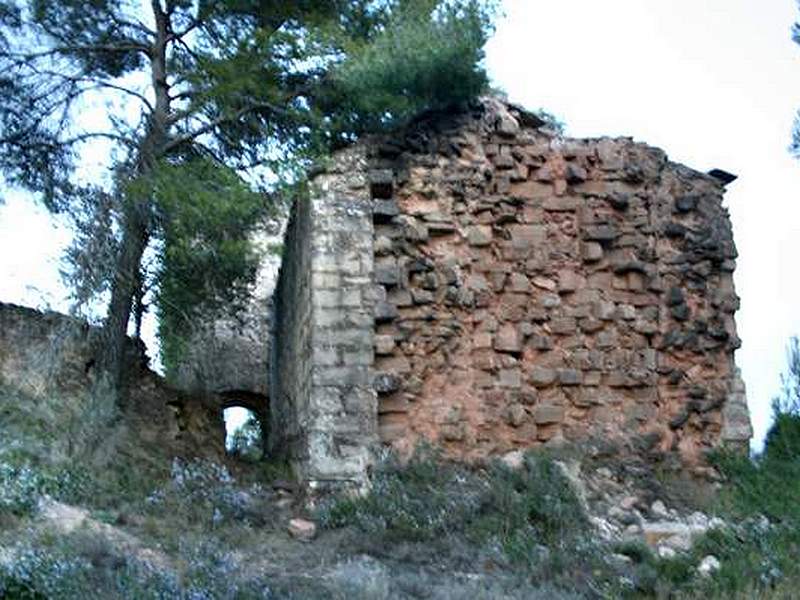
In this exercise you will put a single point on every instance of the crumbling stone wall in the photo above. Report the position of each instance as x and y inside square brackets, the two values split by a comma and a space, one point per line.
[323, 406]
[528, 290]
[230, 355]
[48, 362]
[538, 289]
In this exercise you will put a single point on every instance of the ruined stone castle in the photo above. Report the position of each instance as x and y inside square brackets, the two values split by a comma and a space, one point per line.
[483, 284]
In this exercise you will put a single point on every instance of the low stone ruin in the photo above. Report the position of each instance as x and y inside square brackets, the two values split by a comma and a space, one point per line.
[481, 283]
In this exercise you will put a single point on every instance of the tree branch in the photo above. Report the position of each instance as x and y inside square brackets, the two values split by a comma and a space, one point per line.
[211, 125]
[15, 141]
[129, 46]
[97, 84]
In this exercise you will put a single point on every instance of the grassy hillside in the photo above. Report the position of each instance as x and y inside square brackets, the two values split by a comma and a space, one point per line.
[140, 502]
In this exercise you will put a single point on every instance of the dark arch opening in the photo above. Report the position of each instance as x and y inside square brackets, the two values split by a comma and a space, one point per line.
[245, 418]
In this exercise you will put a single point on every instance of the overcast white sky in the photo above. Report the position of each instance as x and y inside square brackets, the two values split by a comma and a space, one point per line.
[715, 83]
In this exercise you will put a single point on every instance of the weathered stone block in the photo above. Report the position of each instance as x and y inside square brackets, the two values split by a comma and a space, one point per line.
[482, 340]
[384, 312]
[546, 415]
[541, 342]
[477, 282]
[518, 283]
[548, 301]
[626, 312]
[605, 311]
[575, 174]
[563, 204]
[383, 211]
[363, 357]
[531, 190]
[680, 312]
[568, 281]
[516, 415]
[600, 233]
[479, 235]
[420, 296]
[591, 251]
[685, 204]
[384, 344]
[510, 378]
[563, 326]
[387, 383]
[619, 200]
[545, 283]
[570, 377]
[592, 378]
[508, 339]
[387, 272]
[528, 236]
[485, 360]
[399, 298]
[542, 377]
[590, 325]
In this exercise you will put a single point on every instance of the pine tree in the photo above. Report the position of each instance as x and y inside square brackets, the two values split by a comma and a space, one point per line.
[201, 106]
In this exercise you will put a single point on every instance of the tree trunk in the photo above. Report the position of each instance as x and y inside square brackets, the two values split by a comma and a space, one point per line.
[137, 218]
[138, 305]
[115, 331]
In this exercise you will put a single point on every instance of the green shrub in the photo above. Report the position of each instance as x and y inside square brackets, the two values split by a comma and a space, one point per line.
[426, 58]
[35, 574]
[22, 485]
[203, 494]
[761, 499]
[530, 515]
[535, 499]
[20, 489]
[783, 439]
[418, 501]
[86, 565]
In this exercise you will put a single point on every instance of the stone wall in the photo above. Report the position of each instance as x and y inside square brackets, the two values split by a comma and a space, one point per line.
[525, 290]
[231, 355]
[49, 378]
[322, 401]
[540, 289]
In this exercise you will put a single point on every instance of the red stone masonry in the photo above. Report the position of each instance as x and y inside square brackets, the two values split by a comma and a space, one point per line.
[533, 289]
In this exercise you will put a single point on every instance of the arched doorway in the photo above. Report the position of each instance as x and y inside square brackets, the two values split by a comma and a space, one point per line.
[245, 418]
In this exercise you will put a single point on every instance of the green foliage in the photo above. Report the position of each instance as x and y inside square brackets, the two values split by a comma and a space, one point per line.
[85, 564]
[537, 497]
[247, 442]
[428, 498]
[761, 503]
[204, 494]
[23, 484]
[770, 485]
[783, 439]
[419, 501]
[203, 103]
[427, 57]
[39, 575]
[206, 260]
[20, 488]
